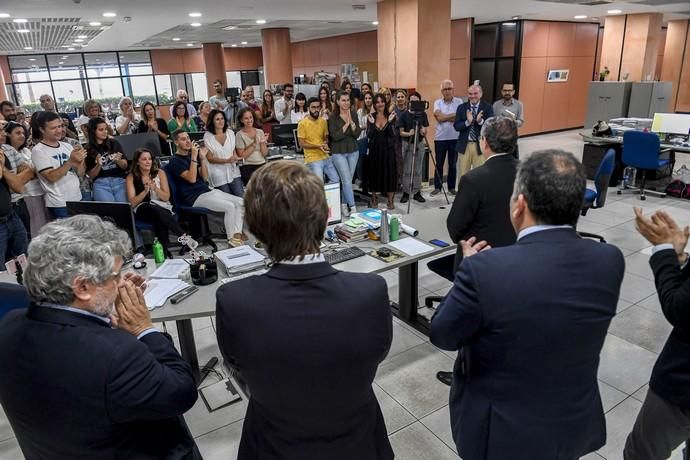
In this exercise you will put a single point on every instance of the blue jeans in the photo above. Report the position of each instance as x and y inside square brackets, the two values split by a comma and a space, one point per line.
[442, 148]
[345, 164]
[233, 188]
[59, 213]
[324, 166]
[13, 238]
[110, 189]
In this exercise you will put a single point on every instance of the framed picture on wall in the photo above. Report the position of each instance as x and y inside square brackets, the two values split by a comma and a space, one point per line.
[558, 75]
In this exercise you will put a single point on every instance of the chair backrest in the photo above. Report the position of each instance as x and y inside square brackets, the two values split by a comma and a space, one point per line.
[131, 142]
[172, 184]
[641, 149]
[12, 296]
[603, 177]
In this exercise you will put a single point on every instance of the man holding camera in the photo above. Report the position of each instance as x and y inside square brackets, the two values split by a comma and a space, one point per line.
[414, 117]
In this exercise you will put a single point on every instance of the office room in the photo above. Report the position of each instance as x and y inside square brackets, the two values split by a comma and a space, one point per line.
[345, 229]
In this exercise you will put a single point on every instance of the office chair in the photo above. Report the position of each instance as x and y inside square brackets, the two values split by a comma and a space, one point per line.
[595, 199]
[200, 215]
[443, 267]
[642, 151]
[12, 297]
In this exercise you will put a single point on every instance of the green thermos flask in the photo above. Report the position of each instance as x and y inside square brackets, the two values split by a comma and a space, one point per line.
[158, 252]
[395, 229]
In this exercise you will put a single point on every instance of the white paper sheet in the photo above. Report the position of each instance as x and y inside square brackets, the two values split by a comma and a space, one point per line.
[171, 269]
[238, 257]
[158, 291]
[410, 246]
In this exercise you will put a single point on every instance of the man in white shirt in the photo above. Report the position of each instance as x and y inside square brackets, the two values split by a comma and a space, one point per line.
[284, 105]
[446, 137]
[58, 164]
[182, 96]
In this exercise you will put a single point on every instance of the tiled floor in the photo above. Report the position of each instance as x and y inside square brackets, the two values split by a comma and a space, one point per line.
[415, 404]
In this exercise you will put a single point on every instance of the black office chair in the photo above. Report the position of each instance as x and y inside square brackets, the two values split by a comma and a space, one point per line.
[595, 199]
[443, 267]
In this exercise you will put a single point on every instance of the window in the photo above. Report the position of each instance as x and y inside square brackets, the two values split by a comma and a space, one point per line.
[70, 94]
[136, 63]
[29, 68]
[196, 87]
[140, 89]
[234, 79]
[164, 87]
[107, 92]
[65, 66]
[99, 65]
[29, 94]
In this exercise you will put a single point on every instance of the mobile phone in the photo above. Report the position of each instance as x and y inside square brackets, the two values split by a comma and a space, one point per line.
[439, 243]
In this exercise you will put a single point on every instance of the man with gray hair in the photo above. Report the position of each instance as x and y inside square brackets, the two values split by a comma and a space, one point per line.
[531, 319]
[181, 96]
[445, 137]
[84, 373]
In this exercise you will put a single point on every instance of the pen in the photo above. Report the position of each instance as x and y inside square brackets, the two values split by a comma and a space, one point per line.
[184, 294]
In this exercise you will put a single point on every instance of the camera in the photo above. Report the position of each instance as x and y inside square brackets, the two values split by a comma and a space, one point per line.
[418, 106]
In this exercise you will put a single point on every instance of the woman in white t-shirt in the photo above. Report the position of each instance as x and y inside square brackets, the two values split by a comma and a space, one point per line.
[128, 121]
[223, 170]
[252, 145]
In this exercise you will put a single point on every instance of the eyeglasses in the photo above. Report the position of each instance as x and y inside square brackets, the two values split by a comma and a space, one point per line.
[447, 89]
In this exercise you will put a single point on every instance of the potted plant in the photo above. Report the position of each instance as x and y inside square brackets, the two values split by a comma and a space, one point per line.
[604, 73]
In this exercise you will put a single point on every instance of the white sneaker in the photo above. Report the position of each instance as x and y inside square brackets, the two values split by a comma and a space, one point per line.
[345, 211]
[353, 209]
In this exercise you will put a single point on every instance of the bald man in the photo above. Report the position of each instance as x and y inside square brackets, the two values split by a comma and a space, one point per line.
[469, 119]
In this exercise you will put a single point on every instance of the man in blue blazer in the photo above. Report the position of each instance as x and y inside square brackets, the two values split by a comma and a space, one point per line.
[469, 119]
[304, 337]
[531, 319]
[84, 373]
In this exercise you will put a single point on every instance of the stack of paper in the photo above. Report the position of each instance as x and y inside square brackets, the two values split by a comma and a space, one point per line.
[171, 269]
[239, 258]
[158, 291]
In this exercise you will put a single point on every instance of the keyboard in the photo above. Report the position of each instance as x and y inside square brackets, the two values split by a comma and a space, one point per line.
[342, 255]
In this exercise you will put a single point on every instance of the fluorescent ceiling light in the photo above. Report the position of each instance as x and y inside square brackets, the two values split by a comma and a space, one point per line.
[70, 49]
[195, 24]
[20, 21]
[508, 23]
[375, 23]
[515, 18]
[82, 36]
[94, 24]
[234, 45]
[194, 15]
[4, 15]
[109, 14]
[28, 48]
[614, 11]
[61, 62]
[580, 16]
[176, 39]
[78, 40]
[32, 59]
[261, 21]
[23, 31]
[244, 43]
[190, 44]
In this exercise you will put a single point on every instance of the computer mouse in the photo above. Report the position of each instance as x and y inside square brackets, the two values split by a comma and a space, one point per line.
[384, 252]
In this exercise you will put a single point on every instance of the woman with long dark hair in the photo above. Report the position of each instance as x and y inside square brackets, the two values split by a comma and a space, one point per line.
[325, 101]
[181, 119]
[223, 169]
[343, 130]
[106, 165]
[268, 116]
[149, 194]
[300, 111]
[151, 124]
[380, 167]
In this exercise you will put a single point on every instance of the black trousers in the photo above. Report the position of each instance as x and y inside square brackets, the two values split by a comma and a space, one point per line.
[163, 221]
[246, 172]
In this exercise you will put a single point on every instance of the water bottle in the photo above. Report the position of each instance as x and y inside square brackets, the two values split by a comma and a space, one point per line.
[158, 252]
[395, 229]
[629, 174]
[385, 236]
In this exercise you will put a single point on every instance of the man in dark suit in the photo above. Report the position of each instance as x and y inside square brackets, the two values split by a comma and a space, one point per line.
[531, 319]
[482, 206]
[305, 338]
[664, 419]
[469, 119]
[73, 386]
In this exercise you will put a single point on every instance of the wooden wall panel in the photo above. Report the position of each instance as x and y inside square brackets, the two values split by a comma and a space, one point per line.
[660, 54]
[585, 39]
[532, 81]
[554, 107]
[347, 48]
[167, 61]
[193, 61]
[683, 99]
[640, 50]
[232, 59]
[676, 37]
[251, 58]
[367, 46]
[5, 69]
[386, 43]
[298, 54]
[328, 51]
[612, 47]
[460, 74]
[597, 64]
[561, 39]
[578, 82]
[312, 53]
[460, 38]
[535, 39]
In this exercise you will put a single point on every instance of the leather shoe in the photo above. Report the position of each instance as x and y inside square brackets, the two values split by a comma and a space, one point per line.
[405, 198]
[445, 377]
[418, 197]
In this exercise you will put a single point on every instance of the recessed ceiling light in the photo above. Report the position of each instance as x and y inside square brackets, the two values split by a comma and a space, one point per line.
[82, 36]
[234, 45]
[515, 18]
[176, 39]
[23, 31]
[230, 28]
[4, 15]
[94, 24]
[510, 24]
[20, 21]
[65, 57]
[194, 15]
[594, 19]
[109, 14]
[190, 44]
[195, 24]
[28, 48]
[70, 49]
[614, 11]
[375, 23]
[78, 40]
[261, 21]
[97, 60]
[244, 43]
[32, 59]
[61, 62]
[580, 16]
[66, 46]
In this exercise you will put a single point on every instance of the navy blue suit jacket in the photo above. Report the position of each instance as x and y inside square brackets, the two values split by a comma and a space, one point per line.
[462, 128]
[72, 387]
[533, 317]
[308, 340]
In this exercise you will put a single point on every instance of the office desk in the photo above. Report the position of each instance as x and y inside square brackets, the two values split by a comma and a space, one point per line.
[596, 140]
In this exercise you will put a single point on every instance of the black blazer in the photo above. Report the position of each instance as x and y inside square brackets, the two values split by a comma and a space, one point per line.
[482, 205]
[461, 118]
[307, 339]
[671, 373]
[72, 387]
[533, 317]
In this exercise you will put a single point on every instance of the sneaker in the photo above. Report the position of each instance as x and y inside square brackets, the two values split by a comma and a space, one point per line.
[418, 197]
[452, 192]
[435, 192]
[345, 211]
[405, 198]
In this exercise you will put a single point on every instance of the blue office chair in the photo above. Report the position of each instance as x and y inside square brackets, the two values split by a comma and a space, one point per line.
[12, 297]
[595, 199]
[200, 215]
[642, 151]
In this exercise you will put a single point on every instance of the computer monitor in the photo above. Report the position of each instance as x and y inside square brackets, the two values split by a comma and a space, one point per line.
[671, 123]
[132, 142]
[119, 214]
[298, 148]
[334, 202]
[282, 134]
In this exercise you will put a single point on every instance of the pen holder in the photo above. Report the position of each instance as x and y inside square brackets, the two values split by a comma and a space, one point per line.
[204, 271]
